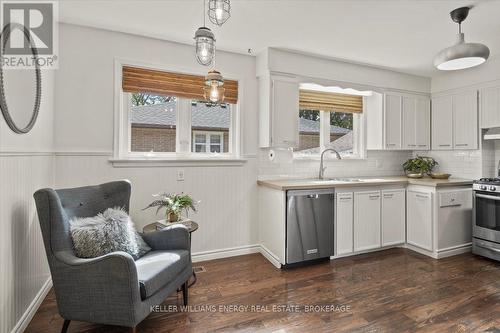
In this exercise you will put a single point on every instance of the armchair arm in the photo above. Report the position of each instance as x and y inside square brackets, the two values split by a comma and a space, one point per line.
[102, 290]
[175, 237]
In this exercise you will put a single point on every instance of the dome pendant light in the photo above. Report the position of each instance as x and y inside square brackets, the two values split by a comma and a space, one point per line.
[219, 11]
[204, 43]
[461, 55]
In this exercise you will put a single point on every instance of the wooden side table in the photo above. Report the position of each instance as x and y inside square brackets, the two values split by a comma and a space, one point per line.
[161, 224]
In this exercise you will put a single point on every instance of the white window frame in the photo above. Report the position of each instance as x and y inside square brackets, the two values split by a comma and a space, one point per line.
[122, 154]
[359, 151]
[208, 141]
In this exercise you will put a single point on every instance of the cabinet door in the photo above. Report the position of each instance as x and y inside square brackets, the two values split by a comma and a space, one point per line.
[409, 123]
[285, 113]
[393, 122]
[465, 120]
[422, 123]
[442, 123]
[366, 220]
[490, 107]
[393, 217]
[344, 223]
[419, 219]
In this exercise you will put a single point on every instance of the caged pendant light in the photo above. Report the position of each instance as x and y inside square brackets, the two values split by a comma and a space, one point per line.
[204, 43]
[214, 90]
[461, 55]
[219, 11]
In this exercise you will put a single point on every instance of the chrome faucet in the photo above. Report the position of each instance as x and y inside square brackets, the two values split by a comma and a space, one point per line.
[321, 168]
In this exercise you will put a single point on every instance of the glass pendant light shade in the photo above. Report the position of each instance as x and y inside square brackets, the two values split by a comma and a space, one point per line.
[219, 11]
[461, 55]
[214, 90]
[205, 46]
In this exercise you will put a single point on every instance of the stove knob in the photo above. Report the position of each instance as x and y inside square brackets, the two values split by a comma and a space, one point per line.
[492, 188]
[483, 187]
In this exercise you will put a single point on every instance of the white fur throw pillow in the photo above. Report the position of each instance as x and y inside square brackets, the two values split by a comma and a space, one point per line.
[110, 231]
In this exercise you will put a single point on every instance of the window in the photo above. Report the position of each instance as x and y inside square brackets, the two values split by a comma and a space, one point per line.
[174, 120]
[153, 123]
[323, 124]
[212, 142]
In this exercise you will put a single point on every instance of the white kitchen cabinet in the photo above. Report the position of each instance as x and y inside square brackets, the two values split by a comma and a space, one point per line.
[393, 121]
[442, 123]
[393, 217]
[344, 218]
[366, 220]
[465, 120]
[279, 112]
[423, 123]
[490, 107]
[419, 219]
[454, 121]
[409, 124]
[416, 123]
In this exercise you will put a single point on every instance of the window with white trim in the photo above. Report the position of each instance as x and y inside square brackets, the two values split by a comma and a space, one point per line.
[160, 112]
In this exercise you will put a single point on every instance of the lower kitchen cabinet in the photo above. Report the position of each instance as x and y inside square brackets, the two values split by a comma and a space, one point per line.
[366, 220]
[419, 219]
[344, 218]
[393, 217]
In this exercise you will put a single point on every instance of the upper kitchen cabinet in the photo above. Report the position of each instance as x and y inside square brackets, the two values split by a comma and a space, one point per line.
[416, 123]
[465, 120]
[454, 121]
[393, 121]
[442, 123]
[490, 107]
[398, 121]
[279, 106]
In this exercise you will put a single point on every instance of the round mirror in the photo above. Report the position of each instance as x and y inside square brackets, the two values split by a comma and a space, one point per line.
[20, 89]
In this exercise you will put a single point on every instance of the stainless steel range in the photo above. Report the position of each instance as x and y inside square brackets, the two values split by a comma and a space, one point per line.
[486, 218]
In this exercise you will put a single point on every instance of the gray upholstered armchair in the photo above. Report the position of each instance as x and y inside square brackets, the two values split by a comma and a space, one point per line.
[112, 289]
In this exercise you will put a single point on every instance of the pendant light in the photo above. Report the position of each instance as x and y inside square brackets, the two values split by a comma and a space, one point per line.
[461, 55]
[214, 90]
[219, 11]
[204, 43]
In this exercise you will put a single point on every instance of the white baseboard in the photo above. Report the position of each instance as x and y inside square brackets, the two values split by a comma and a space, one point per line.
[33, 307]
[224, 253]
[454, 250]
[270, 256]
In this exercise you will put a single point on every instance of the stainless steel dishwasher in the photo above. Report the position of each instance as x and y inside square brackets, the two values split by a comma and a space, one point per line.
[309, 225]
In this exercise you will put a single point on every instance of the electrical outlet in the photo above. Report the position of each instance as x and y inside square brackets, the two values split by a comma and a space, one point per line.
[180, 175]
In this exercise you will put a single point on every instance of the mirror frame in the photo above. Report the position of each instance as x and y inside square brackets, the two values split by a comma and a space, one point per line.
[4, 37]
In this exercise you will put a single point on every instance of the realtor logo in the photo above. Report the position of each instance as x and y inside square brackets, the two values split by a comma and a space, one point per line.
[36, 19]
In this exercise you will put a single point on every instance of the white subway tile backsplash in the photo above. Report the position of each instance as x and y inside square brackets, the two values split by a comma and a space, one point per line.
[376, 163]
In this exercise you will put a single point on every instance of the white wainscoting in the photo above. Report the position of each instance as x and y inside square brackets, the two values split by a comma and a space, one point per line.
[227, 213]
[25, 272]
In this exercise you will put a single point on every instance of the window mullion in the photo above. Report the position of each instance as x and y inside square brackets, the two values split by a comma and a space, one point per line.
[324, 129]
[183, 133]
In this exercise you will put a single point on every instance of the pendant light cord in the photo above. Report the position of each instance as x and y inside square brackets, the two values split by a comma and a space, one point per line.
[204, 9]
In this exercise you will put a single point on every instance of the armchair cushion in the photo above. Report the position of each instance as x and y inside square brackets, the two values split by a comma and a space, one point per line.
[157, 268]
[107, 232]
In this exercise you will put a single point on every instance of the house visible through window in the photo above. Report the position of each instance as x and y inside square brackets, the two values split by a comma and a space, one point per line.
[153, 122]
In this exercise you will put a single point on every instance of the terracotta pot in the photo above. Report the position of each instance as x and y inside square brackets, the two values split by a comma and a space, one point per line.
[172, 217]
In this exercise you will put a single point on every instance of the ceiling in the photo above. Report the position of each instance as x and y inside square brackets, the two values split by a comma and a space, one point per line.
[402, 35]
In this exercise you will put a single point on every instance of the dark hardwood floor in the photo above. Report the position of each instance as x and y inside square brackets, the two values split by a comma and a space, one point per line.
[395, 290]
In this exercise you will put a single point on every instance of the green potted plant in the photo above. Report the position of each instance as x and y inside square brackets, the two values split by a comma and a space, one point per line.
[173, 204]
[419, 166]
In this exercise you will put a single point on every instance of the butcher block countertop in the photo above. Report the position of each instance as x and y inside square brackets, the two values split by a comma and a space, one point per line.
[297, 184]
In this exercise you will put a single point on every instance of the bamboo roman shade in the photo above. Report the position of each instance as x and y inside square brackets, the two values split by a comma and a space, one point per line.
[328, 101]
[136, 79]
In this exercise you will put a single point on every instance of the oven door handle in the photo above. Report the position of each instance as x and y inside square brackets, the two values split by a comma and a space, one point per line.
[492, 197]
[488, 248]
